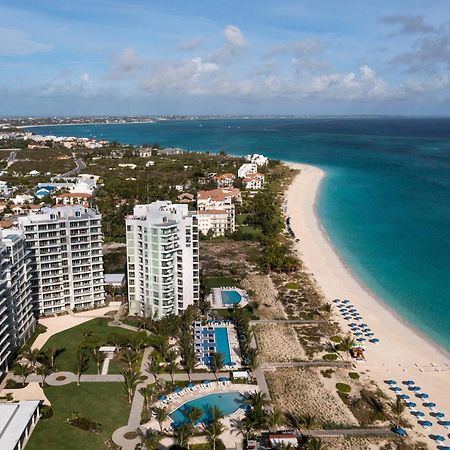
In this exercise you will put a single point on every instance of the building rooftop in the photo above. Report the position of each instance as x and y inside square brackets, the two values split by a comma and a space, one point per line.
[218, 194]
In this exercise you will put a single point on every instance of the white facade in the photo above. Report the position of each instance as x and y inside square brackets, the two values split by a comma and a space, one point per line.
[254, 181]
[5, 334]
[216, 221]
[162, 259]
[246, 169]
[4, 189]
[67, 259]
[259, 160]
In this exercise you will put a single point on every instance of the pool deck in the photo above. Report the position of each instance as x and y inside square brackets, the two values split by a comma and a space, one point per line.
[228, 437]
[216, 300]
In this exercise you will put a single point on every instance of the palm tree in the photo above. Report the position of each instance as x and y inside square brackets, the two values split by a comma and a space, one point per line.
[153, 367]
[131, 379]
[274, 419]
[52, 352]
[147, 392]
[377, 407]
[254, 357]
[98, 357]
[398, 408]
[307, 421]
[331, 347]
[193, 415]
[182, 435]
[189, 362]
[81, 364]
[172, 364]
[129, 357]
[149, 438]
[346, 345]
[327, 308]
[22, 370]
[243, 427]
[257, 400]
[31, 356]
[161, 415]
[44, 371]
[87, 333]
[215, 427]
[315, 444]
[217, 363]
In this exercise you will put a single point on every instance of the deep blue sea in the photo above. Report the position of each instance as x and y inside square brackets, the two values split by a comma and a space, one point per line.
[385, 202]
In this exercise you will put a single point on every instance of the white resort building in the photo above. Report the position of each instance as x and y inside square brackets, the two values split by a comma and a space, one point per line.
[246, 169]
[65, 245]
[162, 259]
[259, 160]
[253, 181]
[216, 210]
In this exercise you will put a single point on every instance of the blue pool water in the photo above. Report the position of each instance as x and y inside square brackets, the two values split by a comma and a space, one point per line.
[223, 345]
[384, 202]
[228, 403]
[231, 297]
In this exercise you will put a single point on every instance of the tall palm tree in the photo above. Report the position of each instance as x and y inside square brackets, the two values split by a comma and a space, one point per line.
[254, 358]
[327, 308]
[182, 434]
[98, 357]
[331, 347]
[257, 400]
[315, 444]
[81, 364]
[172, 365]
[52, 352]
[214, 428]
[307, 421]
[148, 393]
[217, 363]
[131, 379]
[129, 357]
[346, 345]
[244, 426]
[189, 362]
[153, 367]
[274, 419]
[149, 438]
[32, 356]
[22, 370]
[193, 415]
[43, 371]
[161, 415]
[398, 408]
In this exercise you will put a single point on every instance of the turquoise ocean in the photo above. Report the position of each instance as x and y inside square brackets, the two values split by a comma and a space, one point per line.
[385, 202]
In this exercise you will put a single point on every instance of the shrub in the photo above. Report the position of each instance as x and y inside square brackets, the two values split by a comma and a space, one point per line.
[336, 339]
[327, 373]
[354, 375]
[330, 357]
[84, 423]
[13, 384]
[343, 388]
[293, 285]
[46, 412]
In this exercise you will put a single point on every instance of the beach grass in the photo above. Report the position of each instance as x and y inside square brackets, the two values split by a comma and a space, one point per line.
[104, 403]
[70, 341]
[217, 282]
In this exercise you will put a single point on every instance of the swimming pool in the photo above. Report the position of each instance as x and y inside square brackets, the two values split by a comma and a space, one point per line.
[231, 297]
[228, 403]
[223, 344]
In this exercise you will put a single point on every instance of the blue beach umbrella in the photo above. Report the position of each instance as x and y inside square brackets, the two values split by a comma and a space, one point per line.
[177, 390]
[423, 395]
[162, 397]
[396, 389]
[347, 317]
[425, 423]
[370, 334]
[357, 317]
[374, 340]
[414, 388]
[358, 333]
[418, 413]
[409, 382]
[206, 381]
[445, 423]
[223, 379]
[353, 324]
[404, 397]
[336, 300]
[430, 405]
[439, 415]
[190, 385]
[390, 382]
[400, 431]
[345, 301]
[361, 339]
[411, 405]
[363, 325]
[439, 438]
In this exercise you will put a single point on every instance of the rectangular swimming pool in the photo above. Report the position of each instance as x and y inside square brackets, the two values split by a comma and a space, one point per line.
[223, 344]
[230, 297]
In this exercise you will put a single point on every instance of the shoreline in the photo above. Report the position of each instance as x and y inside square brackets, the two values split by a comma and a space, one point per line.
[403, 350]
[81, 124]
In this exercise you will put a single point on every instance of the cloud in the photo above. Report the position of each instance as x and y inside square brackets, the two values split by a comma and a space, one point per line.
[189, 45]
[85, 77]
[18, 43]
[408, 24]
[234, 45]
[300, 48]
[429, 54]
[126, 63]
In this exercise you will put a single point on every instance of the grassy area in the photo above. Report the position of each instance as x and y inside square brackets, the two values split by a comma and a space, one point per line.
[71, 340]
[216, 282]
[101, 402]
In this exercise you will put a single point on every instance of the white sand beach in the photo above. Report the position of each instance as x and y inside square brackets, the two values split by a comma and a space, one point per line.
[403, 353]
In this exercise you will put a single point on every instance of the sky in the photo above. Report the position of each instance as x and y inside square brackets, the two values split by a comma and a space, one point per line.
[137, 57]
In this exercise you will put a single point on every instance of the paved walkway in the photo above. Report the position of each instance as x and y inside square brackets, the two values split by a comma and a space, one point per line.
[313, 363]
[70, 377]
[356, 432]
[285, 321]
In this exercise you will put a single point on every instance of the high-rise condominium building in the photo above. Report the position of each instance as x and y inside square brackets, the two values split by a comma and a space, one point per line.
[65, 246]
[162, 259]
[17, 321]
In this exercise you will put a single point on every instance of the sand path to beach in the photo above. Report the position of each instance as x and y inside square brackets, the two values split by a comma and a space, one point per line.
[402, 349]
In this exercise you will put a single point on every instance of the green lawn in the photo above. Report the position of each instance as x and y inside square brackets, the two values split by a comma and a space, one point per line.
[101, 402]
[71, 339]
[216, 282]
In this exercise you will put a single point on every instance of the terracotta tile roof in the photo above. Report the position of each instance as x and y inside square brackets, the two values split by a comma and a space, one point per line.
[74, 195]
[218, 194]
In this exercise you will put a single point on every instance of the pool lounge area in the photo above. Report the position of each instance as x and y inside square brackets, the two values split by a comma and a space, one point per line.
[226, 297]
[216, 337]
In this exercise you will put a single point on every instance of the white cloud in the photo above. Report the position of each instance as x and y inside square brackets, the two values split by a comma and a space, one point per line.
[234, 45]
[233, 36]
[18, 43]
[125, 64]
[85, 77]
[189, 45]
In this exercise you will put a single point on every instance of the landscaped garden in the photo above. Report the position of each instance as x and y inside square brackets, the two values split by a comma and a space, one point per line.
[104, 404]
